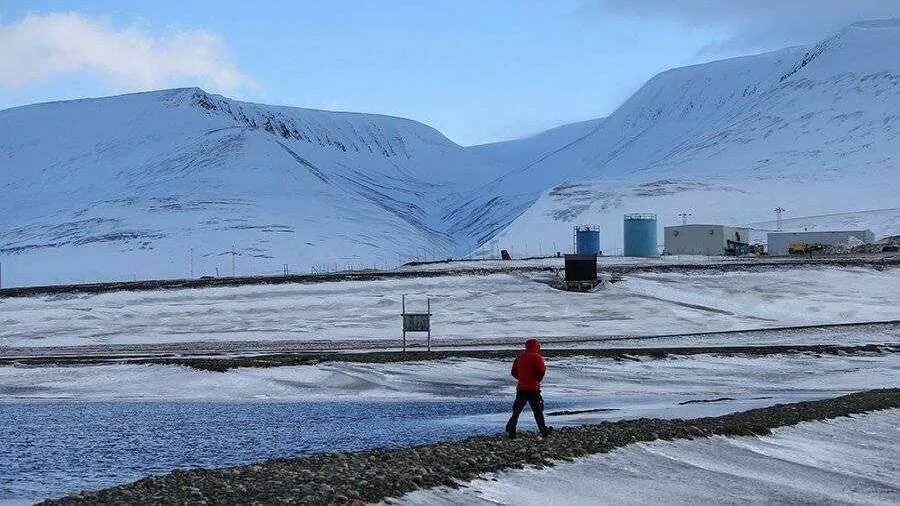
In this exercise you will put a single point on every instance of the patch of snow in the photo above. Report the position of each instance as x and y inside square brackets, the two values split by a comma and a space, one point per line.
[846, 460]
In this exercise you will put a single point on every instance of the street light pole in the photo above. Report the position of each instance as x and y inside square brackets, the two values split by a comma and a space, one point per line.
[778, 211]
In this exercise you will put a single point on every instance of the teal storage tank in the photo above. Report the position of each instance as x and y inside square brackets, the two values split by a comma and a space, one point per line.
[587, 240]
[640, 235]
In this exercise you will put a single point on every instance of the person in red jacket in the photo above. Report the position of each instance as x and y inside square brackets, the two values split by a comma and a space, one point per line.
[529, 369]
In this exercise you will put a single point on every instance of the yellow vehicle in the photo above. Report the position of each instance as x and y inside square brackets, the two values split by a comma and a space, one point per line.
[799, 248]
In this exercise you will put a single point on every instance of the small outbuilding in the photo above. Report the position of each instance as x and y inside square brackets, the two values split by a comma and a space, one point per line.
[581, 272]
[706, 240]
[779, 243]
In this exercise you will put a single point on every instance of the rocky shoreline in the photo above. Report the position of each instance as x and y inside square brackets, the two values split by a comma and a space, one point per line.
[226, 362]
[374, 475]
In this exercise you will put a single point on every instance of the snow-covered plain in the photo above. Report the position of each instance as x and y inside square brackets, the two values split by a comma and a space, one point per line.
[465, 307]
[673, 387]
[842, 461]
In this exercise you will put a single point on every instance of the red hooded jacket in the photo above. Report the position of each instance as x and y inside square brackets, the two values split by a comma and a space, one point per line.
[529, 367]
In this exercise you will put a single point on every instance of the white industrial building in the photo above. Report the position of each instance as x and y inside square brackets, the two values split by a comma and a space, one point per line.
[779, 242]
[704, 239]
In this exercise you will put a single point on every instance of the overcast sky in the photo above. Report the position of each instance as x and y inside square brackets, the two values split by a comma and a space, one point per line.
[479, 71]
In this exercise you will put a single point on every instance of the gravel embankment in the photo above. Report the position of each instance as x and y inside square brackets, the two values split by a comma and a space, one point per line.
[291, 359]
[227, 362]
[374, 475]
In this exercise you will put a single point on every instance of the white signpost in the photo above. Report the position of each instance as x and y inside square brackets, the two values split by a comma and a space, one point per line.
[416, 322]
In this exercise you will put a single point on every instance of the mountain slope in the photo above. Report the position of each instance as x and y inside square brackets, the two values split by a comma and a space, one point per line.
[810, 129]
[125, 186]
[524, 152]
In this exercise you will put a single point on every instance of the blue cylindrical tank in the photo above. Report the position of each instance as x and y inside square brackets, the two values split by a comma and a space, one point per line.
[640, 235]
[587, 240]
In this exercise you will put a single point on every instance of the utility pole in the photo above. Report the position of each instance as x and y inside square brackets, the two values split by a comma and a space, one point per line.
[778, 211]
[1, 274]
[233, 254]
[192, 263]
[684, 217]
[404, 322]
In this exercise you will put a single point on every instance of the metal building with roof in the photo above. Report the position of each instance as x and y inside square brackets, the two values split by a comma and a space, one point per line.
[706, 240]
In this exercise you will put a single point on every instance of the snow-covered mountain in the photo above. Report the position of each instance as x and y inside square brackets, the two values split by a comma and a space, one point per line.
[811, 129]
[129, 186]
[126, 186]
[523, 152]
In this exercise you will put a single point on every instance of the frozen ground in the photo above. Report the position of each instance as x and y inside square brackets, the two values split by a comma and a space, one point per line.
[464, 307]
[841, 461]
[675, 387]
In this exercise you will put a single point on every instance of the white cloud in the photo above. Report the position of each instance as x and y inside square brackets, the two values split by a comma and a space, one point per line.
[755, 24]
[41, 47]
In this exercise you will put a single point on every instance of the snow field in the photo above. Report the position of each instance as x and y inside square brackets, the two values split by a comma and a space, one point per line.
[464, 307]
[841, 461]
[692, 386]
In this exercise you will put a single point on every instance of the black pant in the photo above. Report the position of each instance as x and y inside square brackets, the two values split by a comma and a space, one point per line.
[537, 408]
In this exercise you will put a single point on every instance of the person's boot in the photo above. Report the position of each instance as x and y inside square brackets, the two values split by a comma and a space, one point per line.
[547, 431]
[510, 431]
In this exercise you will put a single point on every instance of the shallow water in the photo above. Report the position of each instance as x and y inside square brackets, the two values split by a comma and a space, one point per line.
[50, 449]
